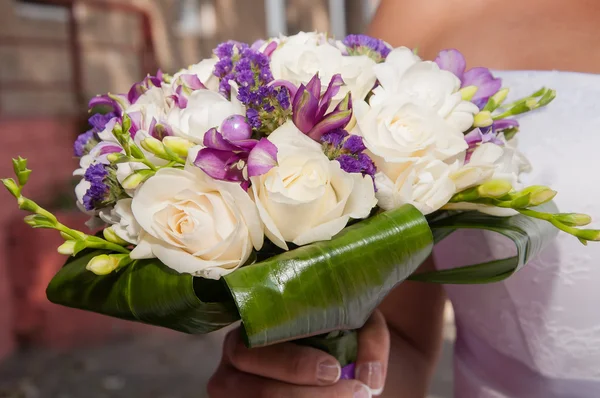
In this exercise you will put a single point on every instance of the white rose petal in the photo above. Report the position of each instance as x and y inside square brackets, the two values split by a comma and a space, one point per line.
[298, 58]
[426, 185]
[306, 197]
[195, 224]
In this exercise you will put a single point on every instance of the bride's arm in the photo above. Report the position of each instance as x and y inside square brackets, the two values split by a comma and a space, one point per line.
[414, 313]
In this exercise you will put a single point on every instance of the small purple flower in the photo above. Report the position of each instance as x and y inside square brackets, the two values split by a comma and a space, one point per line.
[374, 48]
[349, 164]
[98, 192]
[98, 121]
[487, 85]
[84, 143]
[334, 138]
[136, 91]
[354, 144]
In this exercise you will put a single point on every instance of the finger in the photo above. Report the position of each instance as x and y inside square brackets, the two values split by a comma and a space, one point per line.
[229, 382]
[287, 362]
[373, 353]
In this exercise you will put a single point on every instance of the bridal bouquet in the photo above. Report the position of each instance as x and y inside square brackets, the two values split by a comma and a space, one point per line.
[292, 183]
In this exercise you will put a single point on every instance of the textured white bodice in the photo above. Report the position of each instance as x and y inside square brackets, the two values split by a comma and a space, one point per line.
[537, 334]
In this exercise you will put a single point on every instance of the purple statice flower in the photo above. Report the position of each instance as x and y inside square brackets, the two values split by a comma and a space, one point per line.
[98, 193]
[348, 150]
[375, 49]
[88, 140]
[84, 143]
[487, 85]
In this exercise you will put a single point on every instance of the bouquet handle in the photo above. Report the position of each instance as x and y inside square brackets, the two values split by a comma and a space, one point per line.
[342, 344]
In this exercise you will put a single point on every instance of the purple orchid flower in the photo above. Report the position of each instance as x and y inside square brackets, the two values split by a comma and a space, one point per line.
[116, 102]
[487, 85]
[231, 149]
[309, 108]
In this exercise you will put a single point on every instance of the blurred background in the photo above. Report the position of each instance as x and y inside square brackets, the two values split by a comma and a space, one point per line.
[54, 56]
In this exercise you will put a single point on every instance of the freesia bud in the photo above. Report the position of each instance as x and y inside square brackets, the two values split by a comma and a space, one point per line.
[67, 248]
[539, 194]
[573, 219]
[27, 204]
[521, 202]
[111, 236]
[589, 234]
[138, 177]
[494, 188]
[19, 164]
[39, 221]
[496, 100]
[104, 264]
[548, 96]
[154, 146]
[468, 92]
[483, 119]
[114, 157]
[12, 187]
[178, 145]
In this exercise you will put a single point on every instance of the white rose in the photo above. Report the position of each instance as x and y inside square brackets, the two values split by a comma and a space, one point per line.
[204, 70]
[424, 83]
[298, 58]
[195, 224]
[205, 109]
[426, 185]
[306, 197]
[400, 131]
[121, 221]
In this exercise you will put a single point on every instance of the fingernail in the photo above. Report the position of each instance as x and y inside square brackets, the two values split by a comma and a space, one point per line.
[329, 371]
[362, 391]
[371, 374]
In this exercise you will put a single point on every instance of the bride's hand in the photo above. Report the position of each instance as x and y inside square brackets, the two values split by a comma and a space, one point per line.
[290, 370]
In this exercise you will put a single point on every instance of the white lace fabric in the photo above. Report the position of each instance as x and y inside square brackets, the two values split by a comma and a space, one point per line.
[537, 334]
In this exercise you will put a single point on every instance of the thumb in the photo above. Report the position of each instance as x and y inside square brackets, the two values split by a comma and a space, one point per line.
[373, 353]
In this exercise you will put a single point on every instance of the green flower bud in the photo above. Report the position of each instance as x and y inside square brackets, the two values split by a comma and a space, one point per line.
[499, 97]
[67, 248]
[154, 146]
[483, 119]
[548, 96]
[180, 146]
[494, 188]
[589, 234]
[104, 264]
[138, 177]
[117, 157]
[19, 164]
[573, 219]
[136, 152]
[27, 204]
[126, 123]
[111, 236]
[39, 221]
[539, 194]
[468, 92]
[12, 187]
[468, 195]
[521, 202]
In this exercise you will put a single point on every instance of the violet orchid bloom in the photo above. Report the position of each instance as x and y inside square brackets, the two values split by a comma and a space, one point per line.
[504, 124]
[487, 85]
[231, 149]
[116, 102]
[309, 108]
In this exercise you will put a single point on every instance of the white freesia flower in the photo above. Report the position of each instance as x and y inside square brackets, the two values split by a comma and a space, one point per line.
[80, 190]
[121, 221]
[426, 185]
[399, 131]
[205, 109]
[204, 70]
[298, 58]
[306, 197]
[423, 83]
[195, 224]
[491, 161]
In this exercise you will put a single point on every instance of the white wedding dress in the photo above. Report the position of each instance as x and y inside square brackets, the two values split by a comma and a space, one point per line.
[537, 334]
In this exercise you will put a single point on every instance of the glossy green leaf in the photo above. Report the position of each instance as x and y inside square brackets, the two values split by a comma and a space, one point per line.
[330, 285]
[145, 291]
[529, 235]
